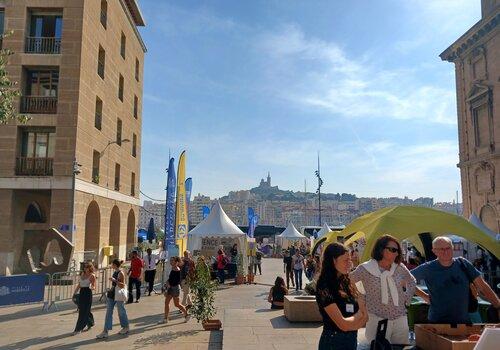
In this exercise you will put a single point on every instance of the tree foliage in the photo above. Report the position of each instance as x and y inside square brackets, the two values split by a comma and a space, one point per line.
[203, 288]
[8, 90]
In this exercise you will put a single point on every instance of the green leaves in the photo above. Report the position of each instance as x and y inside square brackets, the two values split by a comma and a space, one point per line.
[8, 90]
[203, 288]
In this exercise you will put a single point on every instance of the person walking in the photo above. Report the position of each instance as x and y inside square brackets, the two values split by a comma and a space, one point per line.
[258, 263]
[86, 285]
[234, 261]
[389, 287]
[277, 294]
[448, 281]
[172, 290]
[287, 268]
[150, 262]
[310, 267]
[187, 271]
[134, 274]
[118, 281]
[340, 305]
[221, 265]
[298, 267]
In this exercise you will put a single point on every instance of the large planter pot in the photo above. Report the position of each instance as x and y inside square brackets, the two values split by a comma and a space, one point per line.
[240, 279]
[250, 278]
[211, 325]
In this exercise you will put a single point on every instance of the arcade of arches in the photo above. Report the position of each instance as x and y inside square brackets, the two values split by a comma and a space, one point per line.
[108, 229]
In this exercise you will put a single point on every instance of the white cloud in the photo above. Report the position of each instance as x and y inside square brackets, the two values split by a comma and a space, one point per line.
[326, 78]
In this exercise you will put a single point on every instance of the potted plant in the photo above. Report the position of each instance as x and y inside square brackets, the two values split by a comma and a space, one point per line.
[240, 274]
[203, 289]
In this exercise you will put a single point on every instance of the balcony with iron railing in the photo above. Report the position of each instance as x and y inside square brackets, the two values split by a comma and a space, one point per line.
[29, 166]
[39, 104]
[43, 45]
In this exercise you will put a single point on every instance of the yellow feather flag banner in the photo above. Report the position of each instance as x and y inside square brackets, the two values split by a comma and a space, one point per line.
[181, 214]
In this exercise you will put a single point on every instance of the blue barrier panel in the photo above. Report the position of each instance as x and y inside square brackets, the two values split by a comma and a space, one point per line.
[20, 289]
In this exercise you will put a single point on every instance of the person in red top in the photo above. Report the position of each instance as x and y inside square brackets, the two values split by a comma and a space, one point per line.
[221, 264]
[134, 277]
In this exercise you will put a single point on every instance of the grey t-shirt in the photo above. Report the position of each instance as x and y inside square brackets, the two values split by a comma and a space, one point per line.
[448, 288]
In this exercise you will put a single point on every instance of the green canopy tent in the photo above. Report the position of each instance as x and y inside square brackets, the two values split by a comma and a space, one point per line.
[411, 223]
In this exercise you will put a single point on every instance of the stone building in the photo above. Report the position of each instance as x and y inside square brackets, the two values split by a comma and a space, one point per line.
[75, 166]
[476, 56]
[151, 210]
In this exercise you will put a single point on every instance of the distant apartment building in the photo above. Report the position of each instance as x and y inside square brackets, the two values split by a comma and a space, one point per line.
[75, 166]
[196, 208]
[151, 210]
[476, 56]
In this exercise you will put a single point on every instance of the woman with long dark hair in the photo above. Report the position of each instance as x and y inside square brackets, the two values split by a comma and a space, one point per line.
[277, 294]
[342, 311]
[389, 288]
[85, 286]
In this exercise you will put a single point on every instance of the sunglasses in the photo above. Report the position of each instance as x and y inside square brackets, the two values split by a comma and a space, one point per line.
[392, 249]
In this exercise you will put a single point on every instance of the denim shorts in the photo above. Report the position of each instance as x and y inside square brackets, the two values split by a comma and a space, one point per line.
[337, 340]
[174, 291]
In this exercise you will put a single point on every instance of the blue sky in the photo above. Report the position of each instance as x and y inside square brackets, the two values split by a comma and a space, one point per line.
[248, 87]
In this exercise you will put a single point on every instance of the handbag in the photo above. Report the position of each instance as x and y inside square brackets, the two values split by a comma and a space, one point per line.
[121, 294]
[473, 303]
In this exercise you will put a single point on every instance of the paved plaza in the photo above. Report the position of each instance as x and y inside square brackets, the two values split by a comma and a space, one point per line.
[248, 323]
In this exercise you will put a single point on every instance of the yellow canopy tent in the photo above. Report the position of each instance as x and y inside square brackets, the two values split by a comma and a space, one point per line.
[407, 222]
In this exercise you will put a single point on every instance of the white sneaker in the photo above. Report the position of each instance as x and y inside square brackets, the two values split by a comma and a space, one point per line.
[102, 335]
[163, 321]
[123, 331]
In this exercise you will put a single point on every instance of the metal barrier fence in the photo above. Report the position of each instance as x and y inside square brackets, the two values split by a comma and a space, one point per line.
[61, 286]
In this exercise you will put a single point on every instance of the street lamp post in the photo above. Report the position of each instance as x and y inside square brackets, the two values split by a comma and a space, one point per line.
[318, 190]
[107, 163]
[76, 171]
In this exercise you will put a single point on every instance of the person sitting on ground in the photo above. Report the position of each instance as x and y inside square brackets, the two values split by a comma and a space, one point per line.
[448, 280]
[277, 294]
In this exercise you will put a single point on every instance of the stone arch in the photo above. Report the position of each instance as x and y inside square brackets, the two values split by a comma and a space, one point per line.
[92, 228]
[114, 230]
[34, 213]
[488, 216]
[131, 236]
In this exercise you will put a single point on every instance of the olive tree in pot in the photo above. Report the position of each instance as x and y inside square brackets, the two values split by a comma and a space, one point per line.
[203, 289]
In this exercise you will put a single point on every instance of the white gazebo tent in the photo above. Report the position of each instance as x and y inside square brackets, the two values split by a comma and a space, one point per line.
[324, 230]
[215, 230]
[290, 234]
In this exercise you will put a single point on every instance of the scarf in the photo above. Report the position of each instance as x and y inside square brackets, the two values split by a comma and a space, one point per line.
[387, 283]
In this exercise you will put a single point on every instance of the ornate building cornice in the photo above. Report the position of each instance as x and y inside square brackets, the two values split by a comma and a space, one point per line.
[471, 37]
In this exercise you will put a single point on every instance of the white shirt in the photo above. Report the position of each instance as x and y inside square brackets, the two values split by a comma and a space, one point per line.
[150, 262]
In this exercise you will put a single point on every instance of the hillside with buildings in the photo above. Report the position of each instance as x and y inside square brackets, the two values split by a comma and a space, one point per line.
[278, 207]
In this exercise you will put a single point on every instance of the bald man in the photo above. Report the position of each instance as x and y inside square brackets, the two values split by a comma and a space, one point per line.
[447, 280]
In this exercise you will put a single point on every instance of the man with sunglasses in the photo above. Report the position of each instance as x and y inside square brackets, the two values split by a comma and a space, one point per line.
[448, 280]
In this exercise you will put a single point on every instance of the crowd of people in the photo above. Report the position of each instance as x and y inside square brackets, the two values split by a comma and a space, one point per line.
[349, 297]
[381, 288]
[181, 273]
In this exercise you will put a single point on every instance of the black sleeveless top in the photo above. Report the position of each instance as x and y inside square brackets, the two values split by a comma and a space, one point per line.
[278, 294]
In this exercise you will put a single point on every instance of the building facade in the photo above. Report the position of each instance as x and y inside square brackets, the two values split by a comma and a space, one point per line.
[75, 165]
[476, 56]
[151, 210]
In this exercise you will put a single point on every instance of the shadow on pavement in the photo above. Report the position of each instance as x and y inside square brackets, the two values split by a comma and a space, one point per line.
[282, 322]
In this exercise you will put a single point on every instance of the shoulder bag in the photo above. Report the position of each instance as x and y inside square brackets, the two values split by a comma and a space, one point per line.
[473, 303]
